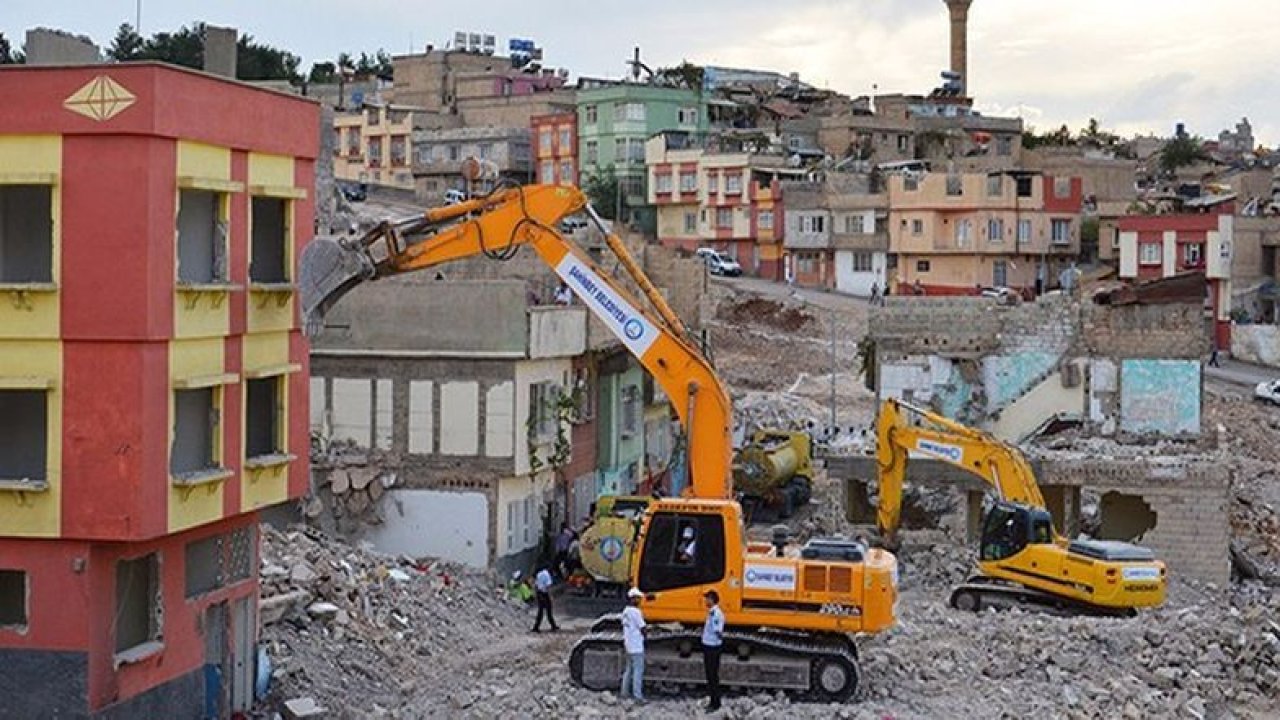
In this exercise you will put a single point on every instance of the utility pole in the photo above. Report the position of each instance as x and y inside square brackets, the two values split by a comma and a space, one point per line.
[833, 371]
[137, 18]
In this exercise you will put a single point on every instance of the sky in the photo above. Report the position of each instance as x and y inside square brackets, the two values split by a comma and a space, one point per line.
[1138, 66]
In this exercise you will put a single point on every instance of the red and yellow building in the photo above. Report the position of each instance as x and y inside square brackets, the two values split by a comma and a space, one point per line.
[555, 148]
[153, 391]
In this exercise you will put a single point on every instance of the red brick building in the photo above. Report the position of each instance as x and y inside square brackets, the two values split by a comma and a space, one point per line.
[153, 392]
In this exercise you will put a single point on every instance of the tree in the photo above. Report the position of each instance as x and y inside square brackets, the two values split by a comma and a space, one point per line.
[127, 44]
[323, 73]
[686, 75]
[1180, 152]
[184, 47]
[256, 61]
[602, 189]
[8, 56]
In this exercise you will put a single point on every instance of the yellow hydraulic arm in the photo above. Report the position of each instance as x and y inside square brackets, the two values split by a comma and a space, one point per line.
[496, 225]
[902, 428]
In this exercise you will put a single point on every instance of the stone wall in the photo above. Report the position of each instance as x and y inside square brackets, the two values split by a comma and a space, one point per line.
[1257, 344]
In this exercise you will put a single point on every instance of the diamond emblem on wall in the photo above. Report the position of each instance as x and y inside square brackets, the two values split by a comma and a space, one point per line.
[100, 99]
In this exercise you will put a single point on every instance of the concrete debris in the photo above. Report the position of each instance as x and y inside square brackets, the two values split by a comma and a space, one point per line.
[300, 708]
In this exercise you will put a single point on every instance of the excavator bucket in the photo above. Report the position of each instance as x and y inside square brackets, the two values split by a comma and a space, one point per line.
[328, 270]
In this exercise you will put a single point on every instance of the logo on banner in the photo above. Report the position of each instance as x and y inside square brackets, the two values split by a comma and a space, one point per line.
[942, 450]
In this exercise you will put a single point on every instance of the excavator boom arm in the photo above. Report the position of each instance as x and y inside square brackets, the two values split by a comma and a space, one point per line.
[496, 225]
[1001, 465]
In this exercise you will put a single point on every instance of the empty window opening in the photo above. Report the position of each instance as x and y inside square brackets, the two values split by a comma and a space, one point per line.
[138, 614]
[13, 598]
[26, 234]
[204, 566]
[1124, 517]
[270, 240]
[201, 238]
[24, 435]
[194, 423]
[1024, 186]
[262, 418]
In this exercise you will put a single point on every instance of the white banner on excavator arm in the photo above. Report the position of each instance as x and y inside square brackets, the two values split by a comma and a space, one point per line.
[633, 329]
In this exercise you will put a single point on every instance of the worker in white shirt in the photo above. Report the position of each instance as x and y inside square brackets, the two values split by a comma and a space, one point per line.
[712, 642]
[685, 551]
[633, 629]
[542, 590]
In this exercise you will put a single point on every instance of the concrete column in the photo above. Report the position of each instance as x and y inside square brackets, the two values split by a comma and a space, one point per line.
[220, 51]
[960, 40]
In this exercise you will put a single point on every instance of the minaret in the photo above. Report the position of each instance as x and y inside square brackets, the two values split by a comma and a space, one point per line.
[960, 40]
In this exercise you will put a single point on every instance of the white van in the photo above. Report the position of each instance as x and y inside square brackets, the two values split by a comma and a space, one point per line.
[718, 263]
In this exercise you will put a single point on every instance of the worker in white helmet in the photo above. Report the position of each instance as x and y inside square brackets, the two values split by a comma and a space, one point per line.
[633, 629]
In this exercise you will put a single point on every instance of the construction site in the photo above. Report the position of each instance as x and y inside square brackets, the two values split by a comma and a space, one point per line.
[275, 443]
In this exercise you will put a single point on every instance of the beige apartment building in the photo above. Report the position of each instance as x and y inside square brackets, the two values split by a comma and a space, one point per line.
[374, 145]
[951, 234]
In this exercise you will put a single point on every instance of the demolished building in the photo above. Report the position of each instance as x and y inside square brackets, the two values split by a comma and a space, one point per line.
[1126, 380]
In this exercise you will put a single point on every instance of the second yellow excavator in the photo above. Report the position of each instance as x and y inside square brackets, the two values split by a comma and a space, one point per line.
[1022, 560]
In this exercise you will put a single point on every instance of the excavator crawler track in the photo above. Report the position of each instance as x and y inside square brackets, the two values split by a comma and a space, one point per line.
[980, 592]
[810, 667]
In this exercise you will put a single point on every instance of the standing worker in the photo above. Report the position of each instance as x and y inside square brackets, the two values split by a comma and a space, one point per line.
[633, 627]
[542, 589]
[712, 640]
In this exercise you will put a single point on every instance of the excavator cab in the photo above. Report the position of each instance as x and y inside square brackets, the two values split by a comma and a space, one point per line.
[1010, 527]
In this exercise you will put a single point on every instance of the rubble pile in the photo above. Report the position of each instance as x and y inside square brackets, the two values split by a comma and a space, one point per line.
[353, 629]
[1198, 659]
[762, 311]
[350, 484]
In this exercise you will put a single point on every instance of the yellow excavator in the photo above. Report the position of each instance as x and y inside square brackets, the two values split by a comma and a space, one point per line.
[791, 613]
[1023, 561]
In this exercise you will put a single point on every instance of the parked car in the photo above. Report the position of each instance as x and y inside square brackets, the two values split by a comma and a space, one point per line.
[719, 264]
[1006, 296]
[453, 196]
[353, 192]
[572, 224]
[1268, 391]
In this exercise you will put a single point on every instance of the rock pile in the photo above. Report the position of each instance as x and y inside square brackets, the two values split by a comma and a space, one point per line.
[353, 628]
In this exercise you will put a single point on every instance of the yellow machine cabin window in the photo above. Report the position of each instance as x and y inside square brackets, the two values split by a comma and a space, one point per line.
[681, 551]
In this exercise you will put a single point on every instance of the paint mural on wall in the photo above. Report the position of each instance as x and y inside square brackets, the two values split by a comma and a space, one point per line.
[1008, 377]
[1160, 396]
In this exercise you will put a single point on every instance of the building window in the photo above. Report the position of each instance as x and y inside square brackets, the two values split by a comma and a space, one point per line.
[995, 185]
[566, 141]
[270, 238]
[26, 234]
[713, 183]
[1060, 231]
[24, 435]
[543, 398]
[13, 599]
[764, 220]
[917, 227]
[854, 225]
[353, 142]
[547, 172]
[995, 230]
[1192, 254]
[688, 182]
[1150, 254]
[861, 262]
[590, 115]
[690, 223]
[628, 111]
[1115, 239]
[375, 152]
[194, 427]
[592, 152]
[1004, 145]
[687, 116]
[663, 183]
[566, 173]
[922, 266]
[724, 218]
[544, 140]
[454, 152]
[910, 182]
[399, 151]
[806, 263]
[635, 150]
[1062, 187]
[1024, 231]
[202, 237]
[619, 150]
[955, 185]
[964, 232]
[812, 224]
[630, 410]
[904, 143]
[1023, 183]
[484, 151]
[373, 116]
[138, 615]
[262, 417]
[733, 184]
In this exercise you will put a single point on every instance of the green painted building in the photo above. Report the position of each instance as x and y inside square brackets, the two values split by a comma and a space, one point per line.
[615, 120]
